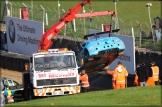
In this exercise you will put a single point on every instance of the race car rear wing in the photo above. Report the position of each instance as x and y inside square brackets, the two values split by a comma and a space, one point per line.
[99, 33]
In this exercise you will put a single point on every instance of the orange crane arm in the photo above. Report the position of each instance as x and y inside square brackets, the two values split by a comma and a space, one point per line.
[91, 14]
[45, 41]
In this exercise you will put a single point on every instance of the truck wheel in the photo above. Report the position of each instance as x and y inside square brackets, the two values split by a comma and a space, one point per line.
[32, 92]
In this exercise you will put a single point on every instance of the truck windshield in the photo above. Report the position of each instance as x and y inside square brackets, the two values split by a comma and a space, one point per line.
[54, 61]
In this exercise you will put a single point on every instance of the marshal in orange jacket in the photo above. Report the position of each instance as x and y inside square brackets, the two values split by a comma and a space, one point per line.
[84, 79]
[119, 76]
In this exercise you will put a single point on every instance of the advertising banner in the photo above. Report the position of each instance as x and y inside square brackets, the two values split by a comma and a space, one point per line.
[23, 36]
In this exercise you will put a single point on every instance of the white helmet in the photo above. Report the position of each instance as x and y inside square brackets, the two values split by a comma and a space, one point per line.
[119, 68]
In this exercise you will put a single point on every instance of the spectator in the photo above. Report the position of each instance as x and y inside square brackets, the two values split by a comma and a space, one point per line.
[84, 81]
[143, 34]
[150, 35]
[154, 72]
[8, 93]
[157, 27]
[142, 74]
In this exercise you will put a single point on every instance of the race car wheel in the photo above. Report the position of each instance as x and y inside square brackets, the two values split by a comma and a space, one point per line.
[86, 55]
[120, 53]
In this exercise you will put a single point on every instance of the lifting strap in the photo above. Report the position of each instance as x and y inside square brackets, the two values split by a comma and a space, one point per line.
[74, 35]
[76, 39]
[72, 29]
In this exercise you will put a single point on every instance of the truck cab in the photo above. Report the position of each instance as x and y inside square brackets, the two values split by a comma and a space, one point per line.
[54, 72]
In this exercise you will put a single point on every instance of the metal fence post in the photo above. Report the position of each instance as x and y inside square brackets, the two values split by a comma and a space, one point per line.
[10, 8]
[140, 33]
[148, 28]
[123, 26]
[65, 25]
[14, 9]
[84, 22]
[32, 8]
[43, 12]
[96, 23]
[58, 10]
[148, 5]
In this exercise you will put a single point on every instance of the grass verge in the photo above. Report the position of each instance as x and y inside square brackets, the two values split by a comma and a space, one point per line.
[135, 96]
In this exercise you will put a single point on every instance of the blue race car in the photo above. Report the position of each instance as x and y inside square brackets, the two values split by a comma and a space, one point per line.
[99, 51]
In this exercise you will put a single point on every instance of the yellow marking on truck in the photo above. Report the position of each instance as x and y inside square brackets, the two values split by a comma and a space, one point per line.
[45, 89]
[65, 89]
[49, 89]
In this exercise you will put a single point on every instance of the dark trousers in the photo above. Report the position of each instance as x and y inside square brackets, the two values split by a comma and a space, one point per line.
[84, 89]
[157, 83]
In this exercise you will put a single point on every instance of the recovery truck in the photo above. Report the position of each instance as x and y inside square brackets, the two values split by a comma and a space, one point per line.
[52, 72]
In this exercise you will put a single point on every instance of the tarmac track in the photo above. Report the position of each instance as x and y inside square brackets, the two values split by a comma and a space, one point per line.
[15, 75]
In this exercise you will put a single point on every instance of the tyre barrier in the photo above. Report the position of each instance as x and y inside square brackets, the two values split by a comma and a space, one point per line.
[2, 59]
[6, 61]
[13, 61]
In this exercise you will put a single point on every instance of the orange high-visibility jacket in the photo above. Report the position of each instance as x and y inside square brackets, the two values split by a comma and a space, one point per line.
[120, 74]
[113, 82]
[155, 72]
[110, 72]
[136, 80]
[150, 81]
[84, 79]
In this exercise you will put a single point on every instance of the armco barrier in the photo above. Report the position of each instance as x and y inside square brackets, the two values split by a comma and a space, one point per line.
[2, 59]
